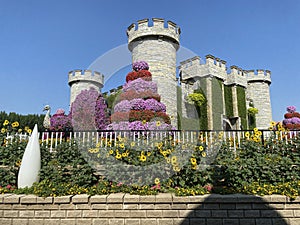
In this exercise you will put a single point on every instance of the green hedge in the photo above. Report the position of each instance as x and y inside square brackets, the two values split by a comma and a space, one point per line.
[217, 103]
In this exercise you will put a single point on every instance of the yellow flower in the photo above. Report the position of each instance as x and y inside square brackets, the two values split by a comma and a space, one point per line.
[20, 130]
[173, 159]
[18, 163]
[247, 134]
[124, 154]
[29, 131]
[156, 181]
[193, 161]
[26, 128]
[255, 129]
[118, 156]
[132, 144]
[111, 152]
[143, 158]
[98, 155]
[201, 148]
[176, 168]
[6, 122]
[158, 123]
[3, 130]
[144, 122]
[273, 123]
[122, 145]
[98, 144]
[168, 160]
[148, 153]
[15, 124]
[203, 154]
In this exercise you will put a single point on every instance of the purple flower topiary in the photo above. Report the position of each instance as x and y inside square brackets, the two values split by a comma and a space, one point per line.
[140, 65]
[291, 109]
[140, 85]
[89, 111]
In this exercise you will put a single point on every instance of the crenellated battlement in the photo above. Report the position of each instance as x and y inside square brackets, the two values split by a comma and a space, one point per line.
[236, 76]
[153, 27]
[86, 76]
[217, 67]
[259, 75]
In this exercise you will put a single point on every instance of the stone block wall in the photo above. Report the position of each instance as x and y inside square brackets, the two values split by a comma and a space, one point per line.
[162, 209]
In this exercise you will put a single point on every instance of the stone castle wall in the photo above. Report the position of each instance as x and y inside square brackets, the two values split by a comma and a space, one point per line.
[161, 209]
[157, 45]
[256, 84]
[84, 79]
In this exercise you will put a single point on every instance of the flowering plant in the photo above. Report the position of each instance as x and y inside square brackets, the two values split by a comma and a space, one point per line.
[60, 122]
[140, 65]
[101, 115]
[291, 109]
[144, 74]
[136, 115]
[89, 111]
[154, 105]
[123, 106]
[132, 94]
[140, 85]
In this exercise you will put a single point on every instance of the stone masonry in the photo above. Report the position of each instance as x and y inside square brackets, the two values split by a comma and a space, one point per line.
[157, 45]
[84, 79]
[256, 85]
[161, 209]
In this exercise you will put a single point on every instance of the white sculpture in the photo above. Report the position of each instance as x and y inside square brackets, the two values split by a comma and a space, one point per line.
[46, 122]
[31, 161]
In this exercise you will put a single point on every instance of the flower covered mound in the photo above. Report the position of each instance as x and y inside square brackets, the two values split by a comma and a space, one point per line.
[138, 107]
[292, 119]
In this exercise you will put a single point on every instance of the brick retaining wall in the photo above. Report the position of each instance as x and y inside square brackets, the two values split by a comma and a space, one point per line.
[162, 209]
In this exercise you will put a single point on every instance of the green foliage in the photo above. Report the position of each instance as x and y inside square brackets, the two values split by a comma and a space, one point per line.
[241, 99]
[202, 111]
[272, 168]
[217, 103]
[196, 98]
[111, 99]
[24, 120]
[179, 107]
[258, 169]
[252, 111]
[228, 101]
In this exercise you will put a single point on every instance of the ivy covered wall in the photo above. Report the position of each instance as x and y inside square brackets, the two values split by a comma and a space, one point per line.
[242, 109]
[217, 103]
[228, 101]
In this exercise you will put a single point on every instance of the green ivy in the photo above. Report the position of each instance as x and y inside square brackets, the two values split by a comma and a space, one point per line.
[217, 103]
[179, 106]
[228, 101]
[242, 110]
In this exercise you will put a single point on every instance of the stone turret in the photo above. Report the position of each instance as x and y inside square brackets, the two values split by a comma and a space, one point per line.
[258, 89]
[84, 79]
[156, 42]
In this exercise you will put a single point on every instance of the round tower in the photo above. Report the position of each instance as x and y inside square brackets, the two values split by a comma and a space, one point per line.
[156, 42]
[258, 89]
[84, 79]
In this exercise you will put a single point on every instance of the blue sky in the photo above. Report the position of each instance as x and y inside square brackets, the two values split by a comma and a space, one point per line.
[41, 41]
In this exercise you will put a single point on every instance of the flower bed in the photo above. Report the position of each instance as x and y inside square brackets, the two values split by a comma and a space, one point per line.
[252, 169]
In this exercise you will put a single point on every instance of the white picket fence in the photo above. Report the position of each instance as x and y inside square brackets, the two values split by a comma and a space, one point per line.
[102, 138]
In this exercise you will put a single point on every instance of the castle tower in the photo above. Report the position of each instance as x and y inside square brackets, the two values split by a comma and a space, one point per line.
[156, 42]
[258, 90]
[84, 79]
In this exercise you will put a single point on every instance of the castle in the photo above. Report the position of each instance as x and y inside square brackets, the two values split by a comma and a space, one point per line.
[229, 92]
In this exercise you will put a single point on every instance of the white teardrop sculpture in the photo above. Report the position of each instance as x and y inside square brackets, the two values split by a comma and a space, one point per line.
[31, 161]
